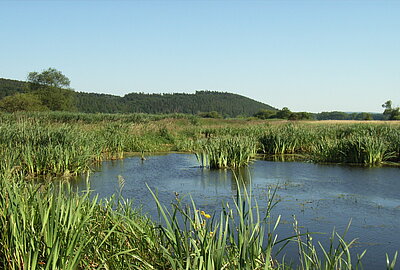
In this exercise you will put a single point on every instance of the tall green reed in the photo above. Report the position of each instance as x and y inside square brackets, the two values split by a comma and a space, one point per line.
[225, 152]
[231, 239]
[50, 226]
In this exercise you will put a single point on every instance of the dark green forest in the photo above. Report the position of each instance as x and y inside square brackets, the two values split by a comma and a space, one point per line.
[11, 87]
[50, 90]
[225, 104]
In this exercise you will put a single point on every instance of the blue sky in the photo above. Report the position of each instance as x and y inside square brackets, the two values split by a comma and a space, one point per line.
[306, 55]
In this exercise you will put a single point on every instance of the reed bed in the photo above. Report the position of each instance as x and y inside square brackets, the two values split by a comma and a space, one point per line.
[52, 227]
[57, 145]
[358, 144]
[88, 118]
[40, 150]
[33, 149]
[367, 144]
[225, 152]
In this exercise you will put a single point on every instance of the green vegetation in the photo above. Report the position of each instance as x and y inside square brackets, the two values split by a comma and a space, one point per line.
[335, 115]
[341, 143]
[11, 87]
[285, 113]
[47, 90]
[62, 143]
[50, 226]
[22, 102]
[51, 87]
[226, 152]
[390, 112]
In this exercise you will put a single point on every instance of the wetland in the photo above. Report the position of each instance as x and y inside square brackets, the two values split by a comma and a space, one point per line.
[229, 208]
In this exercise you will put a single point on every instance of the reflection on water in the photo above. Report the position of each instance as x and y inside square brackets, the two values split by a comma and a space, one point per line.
[322, 197]
[282, 158]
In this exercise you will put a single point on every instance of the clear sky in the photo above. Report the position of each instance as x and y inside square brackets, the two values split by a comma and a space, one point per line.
[306, 55]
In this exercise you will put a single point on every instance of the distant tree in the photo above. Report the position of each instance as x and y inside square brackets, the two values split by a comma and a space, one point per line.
[284, 113]
[52, 88]
[226, 104]
[364, 116]
[57, 99]
[335, 115]
[11, 87]
[49, 77]
[387, 105]
[390, 112]
[264, 114]
[367, 117]
[300, 116]
[22, 102]
[212, 114]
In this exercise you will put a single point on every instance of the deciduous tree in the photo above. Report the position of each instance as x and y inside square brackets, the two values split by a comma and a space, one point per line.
[22, 102]
[390, 112]
[52, 88]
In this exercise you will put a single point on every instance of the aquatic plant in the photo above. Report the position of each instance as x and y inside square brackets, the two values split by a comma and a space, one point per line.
[52, 227]
[54, 143]
[225, 152]
[43, 149]
[231, 239]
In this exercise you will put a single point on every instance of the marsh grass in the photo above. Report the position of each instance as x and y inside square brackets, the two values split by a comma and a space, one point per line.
[356, 143]
[226, 152]
[68, 143]
[34, 149]
[52, 227]
[356, 149]
[336, 256]
[90, 118]
[234, 238]
[39, 150]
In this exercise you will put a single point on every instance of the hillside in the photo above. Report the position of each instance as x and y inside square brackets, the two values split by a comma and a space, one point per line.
[10, 87]
[227, 104]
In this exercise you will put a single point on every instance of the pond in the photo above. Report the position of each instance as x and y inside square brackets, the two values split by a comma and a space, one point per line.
[321, 197]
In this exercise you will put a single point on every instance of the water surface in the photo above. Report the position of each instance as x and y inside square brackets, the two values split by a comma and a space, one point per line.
[321, 197]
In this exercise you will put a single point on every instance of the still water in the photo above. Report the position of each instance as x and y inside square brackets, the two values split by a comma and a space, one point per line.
[321, 197]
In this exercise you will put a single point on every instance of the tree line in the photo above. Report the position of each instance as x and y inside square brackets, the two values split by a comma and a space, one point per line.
[285, 113]
[50, 90]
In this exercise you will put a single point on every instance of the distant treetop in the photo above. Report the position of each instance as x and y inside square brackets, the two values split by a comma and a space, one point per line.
[49, 77]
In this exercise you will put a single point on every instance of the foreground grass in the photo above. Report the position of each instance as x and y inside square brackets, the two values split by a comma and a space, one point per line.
[51, 227]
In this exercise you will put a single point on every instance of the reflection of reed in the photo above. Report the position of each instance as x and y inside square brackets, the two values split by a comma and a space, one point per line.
[221, 177]
[242, 177]
[217, 178]
[282, 158]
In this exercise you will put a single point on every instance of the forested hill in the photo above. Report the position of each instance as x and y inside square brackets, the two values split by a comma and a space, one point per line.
[201, 101]
[10, 87]
[226, 104]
